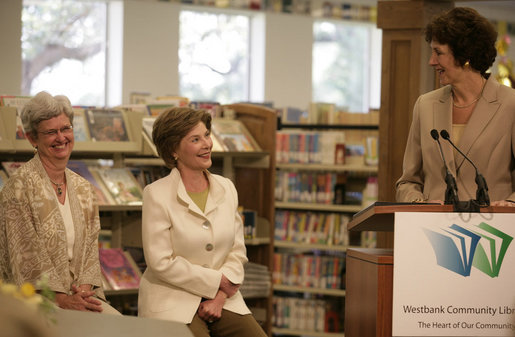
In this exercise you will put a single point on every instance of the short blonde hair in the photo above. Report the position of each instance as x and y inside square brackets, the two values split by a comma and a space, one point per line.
[172, 126]
[42, 107]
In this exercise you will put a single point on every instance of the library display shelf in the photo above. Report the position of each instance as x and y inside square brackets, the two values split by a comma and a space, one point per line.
[290, 332]
[311, 290]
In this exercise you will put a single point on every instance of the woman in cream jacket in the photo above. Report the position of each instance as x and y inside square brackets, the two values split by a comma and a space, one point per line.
[193, 235]
[477, 111]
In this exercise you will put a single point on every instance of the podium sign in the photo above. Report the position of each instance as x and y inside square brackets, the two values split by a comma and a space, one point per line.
[454, 274]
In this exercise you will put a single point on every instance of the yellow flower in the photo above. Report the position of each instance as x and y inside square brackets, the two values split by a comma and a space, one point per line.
[27, 290]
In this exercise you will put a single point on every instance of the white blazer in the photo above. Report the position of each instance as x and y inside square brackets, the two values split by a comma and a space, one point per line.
[188, 250]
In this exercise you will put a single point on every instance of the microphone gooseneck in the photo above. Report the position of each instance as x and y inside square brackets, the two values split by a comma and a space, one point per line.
[451, 192]
[482, 188]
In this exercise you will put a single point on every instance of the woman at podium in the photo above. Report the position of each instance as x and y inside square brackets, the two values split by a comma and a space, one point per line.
[470, 110]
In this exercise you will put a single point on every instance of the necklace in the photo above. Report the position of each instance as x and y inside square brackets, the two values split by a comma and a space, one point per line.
[466, 105]
[59, 189]
[483, 82]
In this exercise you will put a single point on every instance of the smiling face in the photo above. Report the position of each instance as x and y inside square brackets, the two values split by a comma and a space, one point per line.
[194, 151]
[444, 63]
[53, 146]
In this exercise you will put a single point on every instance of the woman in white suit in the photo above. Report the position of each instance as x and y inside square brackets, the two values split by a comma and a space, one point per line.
[193, 235]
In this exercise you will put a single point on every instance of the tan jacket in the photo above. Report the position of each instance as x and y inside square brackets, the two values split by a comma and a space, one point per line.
[488, 140]
[33, 236]
[188, 250]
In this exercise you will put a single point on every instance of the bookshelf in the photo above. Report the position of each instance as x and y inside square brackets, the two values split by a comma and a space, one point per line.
[295, 246]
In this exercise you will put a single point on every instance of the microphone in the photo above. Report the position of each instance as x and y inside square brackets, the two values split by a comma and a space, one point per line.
[451, 193]
[482, 189]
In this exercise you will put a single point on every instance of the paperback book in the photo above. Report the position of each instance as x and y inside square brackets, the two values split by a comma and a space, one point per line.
[233, 135]
[106, 125]
[118, 269]
[122, 186]
[81, 168]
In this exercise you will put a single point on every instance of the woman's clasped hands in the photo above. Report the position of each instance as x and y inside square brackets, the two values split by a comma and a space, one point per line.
[211, 310]
[81, 299]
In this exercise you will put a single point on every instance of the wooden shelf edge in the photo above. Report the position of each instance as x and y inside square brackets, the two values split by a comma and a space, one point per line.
[327, 167]
[319, 207]
[310, 246]
[298, 289]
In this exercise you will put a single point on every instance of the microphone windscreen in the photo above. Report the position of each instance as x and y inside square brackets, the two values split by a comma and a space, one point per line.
[434, 134]
[444, 134]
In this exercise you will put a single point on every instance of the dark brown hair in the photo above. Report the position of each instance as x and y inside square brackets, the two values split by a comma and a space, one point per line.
[172, 126]
[470, 37]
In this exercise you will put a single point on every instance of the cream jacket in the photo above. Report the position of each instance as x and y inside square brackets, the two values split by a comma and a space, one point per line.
[488, 140]
[188, 250]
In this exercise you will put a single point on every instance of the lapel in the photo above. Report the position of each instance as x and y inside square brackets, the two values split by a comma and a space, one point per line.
[484, 111]
[442, 120]
[214, 198]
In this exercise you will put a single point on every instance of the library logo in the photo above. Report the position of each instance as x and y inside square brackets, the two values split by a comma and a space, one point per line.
[458, 248]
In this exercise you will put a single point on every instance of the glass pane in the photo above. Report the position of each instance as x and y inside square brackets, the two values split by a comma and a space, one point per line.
[214, 57]
[64, 49]
[340, 65]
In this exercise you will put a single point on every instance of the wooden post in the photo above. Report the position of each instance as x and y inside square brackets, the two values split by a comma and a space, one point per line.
[405, 76]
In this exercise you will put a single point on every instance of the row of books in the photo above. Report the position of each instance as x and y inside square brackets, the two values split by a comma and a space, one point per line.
[308, 187]
[328, 147]
[318, 187]
[307, 315]
[308, 270]
[311, 227]
[113, 186]
[257, 281]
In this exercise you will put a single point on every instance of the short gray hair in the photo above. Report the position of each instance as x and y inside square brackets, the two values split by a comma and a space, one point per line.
[42, 107]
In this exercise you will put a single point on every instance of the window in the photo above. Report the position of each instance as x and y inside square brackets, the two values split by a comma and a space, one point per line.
[214, 57]
[64, 49]
[346, 65]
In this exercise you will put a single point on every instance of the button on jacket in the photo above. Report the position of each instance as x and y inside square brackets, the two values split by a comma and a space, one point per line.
[188, 250]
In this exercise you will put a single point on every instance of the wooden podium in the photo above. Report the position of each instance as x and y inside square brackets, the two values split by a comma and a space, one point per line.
[369, 272]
